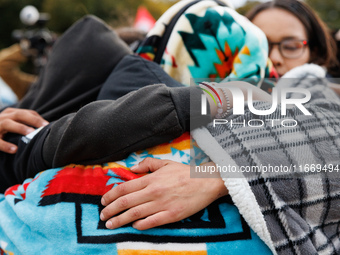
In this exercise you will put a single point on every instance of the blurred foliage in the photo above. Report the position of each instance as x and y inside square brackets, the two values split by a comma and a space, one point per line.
[328, 10]
[65, 12]
[247, 7]
[117, 13]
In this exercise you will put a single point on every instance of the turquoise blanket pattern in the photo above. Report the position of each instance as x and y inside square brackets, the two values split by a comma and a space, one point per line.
[57, 212]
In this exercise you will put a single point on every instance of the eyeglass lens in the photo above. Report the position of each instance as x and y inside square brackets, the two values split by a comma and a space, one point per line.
[290, 48]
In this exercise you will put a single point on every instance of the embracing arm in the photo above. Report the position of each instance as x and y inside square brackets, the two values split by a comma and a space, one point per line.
[104, 131]
[168, 194]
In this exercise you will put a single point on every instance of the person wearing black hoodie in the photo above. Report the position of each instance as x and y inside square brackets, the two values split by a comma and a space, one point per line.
[84, 92]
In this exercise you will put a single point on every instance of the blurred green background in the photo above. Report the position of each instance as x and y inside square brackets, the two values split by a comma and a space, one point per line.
[63, 13]
[117, 13]
[328, 10]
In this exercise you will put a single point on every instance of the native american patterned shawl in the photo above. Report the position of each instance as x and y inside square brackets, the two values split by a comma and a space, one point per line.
[58, 211]
[207, 39]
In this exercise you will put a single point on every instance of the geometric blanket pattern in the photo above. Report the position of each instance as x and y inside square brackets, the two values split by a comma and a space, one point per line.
[57, 212]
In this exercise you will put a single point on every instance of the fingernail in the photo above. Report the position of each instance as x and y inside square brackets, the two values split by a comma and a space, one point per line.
[103, 201]
[134, 167]
[12, 149]
[45, 123]
[29, 130]
[102, 216]
[108, 224]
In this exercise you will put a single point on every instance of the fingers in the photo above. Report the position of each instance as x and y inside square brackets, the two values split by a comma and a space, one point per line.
[149, 164]
[9, 110]
[122, 190]
[8, 147]
[143, 216]
[9, 125]
[12, 126]
[36, 120]
[137, 198]
[123, 203]
[167, 195]
[28, 117]
[131, 215]
[155, 220]
[18, 121]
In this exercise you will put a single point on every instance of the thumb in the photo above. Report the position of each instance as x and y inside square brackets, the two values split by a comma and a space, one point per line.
[149, 165]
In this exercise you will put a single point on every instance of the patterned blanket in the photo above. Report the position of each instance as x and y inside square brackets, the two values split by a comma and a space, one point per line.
[209, 40]
[57, 212]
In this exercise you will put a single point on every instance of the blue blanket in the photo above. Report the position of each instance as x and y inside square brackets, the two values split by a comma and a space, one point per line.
[57, 212]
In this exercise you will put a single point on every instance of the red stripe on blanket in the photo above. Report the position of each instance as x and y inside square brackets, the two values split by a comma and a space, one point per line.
[10, 191]
[78, 180]
[90, 180]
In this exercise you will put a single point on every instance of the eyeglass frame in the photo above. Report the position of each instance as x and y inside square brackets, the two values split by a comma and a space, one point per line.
[271, 44]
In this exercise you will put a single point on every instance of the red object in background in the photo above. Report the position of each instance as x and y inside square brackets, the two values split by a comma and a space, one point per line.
[144, 20]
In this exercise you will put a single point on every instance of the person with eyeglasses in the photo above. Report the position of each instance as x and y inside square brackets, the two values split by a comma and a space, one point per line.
[290, 48]
[295, 33]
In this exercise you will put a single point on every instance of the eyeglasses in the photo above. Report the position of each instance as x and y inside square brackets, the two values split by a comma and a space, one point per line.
[290, 48]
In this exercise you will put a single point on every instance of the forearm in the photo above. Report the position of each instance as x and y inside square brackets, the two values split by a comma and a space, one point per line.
[110, 130]
[104, 131]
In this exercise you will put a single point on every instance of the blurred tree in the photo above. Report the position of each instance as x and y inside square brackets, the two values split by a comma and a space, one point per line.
[158, 7]
[329, 11]
[247, 7]
[65, 12]
[116, 13]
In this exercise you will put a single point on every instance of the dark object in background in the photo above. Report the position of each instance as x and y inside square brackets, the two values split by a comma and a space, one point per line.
[35, 39]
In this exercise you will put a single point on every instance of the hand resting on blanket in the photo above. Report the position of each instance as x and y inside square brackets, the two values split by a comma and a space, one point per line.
[166, 195]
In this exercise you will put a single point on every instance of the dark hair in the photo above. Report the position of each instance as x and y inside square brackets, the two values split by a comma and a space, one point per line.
[321, 44]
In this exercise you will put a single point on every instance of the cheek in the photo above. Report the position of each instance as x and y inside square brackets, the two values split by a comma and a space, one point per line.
[291, 63]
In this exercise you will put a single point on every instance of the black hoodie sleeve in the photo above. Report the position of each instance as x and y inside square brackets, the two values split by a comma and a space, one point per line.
[110, 130]
[104, 131]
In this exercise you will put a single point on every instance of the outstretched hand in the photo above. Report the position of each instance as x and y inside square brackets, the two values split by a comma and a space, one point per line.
[18, 121]
[166, 195]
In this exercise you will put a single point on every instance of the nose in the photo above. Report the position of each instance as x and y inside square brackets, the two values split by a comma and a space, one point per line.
[275, 56]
